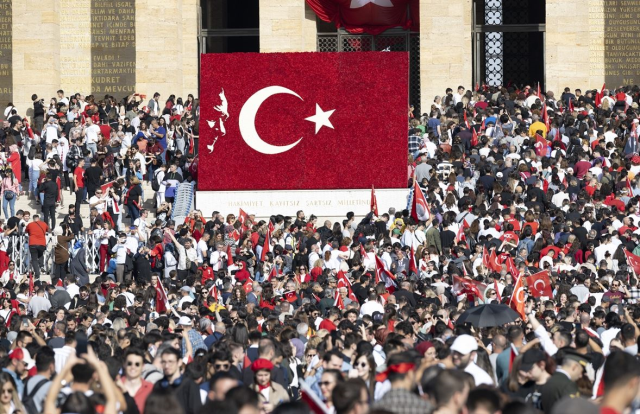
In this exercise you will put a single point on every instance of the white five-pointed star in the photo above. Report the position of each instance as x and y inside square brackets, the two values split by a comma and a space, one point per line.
[321, 118]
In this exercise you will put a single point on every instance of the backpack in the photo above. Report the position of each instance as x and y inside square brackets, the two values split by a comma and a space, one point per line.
[155, 185]
[27, 399]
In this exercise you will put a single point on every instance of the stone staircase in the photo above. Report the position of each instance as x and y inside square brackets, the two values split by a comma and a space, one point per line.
[26, 204]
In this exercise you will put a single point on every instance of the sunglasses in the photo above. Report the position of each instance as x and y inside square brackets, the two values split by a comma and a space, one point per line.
[222, 366]
[134, 364]
[325, 383]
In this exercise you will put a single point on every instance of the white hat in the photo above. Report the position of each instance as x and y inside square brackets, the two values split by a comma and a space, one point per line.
[499, 175]
[185, 320]
[154, 315]
[464, 344]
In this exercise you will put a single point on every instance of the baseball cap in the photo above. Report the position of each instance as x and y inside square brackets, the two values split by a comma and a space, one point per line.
[464, 344]
[530, 358]
[154, 315]
[185, 320]
[23, 355]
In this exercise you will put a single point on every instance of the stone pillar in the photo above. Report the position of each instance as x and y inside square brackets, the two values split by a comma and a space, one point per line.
[75, 46]
[190, 60]
[574, 47]
[445, 47]
[36, 51]
[286, 26]
[159, 45]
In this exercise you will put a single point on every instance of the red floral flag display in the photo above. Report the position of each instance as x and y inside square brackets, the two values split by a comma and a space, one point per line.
[633, 261]
[290, 104]
[540, 284]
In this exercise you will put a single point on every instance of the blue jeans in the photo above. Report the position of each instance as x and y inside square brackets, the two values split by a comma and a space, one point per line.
[134, 212]
[33, 180]
[93, 147]
[11, 203]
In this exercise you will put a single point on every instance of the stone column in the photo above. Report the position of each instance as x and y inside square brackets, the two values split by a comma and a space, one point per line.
[445, 47]
[574, 47]
[190, 60]
[36, 51]
[286, 26]
[75, 46]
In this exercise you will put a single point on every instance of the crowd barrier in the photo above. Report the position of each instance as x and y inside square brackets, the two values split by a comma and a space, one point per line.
[18, 248]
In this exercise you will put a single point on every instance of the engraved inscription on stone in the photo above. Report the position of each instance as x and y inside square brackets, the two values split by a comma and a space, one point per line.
[6, 59]
[113, 48]
[621, 42]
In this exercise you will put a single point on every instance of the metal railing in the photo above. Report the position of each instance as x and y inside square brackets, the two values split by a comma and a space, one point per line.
[20, 254]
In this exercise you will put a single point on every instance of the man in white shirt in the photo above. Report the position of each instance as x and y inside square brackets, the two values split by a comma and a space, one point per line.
[463, 355]
[457, 97]
[71, 287]
[141, 224]
[218, 257]
[98, 201]
[371, 305]
[203, 249]
[51, 130]
[91, 132]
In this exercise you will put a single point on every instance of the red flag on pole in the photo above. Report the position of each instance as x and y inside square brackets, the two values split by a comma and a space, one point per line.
[419, 206]
[464, 114]
[162, 303]
[511, 267]
[265, 246]
[243, 218]
[474, 137]
[486, 262]
[343, 281]
[248, 286]
[540, 284]
[215, 294]
[374, 201]
[229, 256]
[272, 273]
[494, 262]
[339, 303]
[469, 287]
[517, 301]
[413, 266]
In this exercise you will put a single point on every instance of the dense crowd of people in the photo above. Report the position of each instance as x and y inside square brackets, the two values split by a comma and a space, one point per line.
[532, 219]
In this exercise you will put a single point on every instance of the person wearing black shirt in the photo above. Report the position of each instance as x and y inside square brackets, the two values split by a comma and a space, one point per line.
[50, 190]
[74, 223]
[93, 177]
[38, 113]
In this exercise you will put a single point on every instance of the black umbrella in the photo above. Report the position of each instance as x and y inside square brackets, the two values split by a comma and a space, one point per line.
[488, 315]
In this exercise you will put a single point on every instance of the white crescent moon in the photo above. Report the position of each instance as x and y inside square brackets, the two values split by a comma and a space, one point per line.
[535, 285]
[247, 121]
[517, 295]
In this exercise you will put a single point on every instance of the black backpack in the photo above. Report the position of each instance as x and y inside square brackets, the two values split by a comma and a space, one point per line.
[155, 185]
[27, 399]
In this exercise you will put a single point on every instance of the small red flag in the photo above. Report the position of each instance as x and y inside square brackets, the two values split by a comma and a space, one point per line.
[374, 201]
[229, 256]
[162, 303]
[383, 274]
[486, 262]
[474, 137]
[265, 246]
[419, 206]
[413, 266]
[338, 300]
[248, 286]
[106, 187]
[243, 218]
[517, 301]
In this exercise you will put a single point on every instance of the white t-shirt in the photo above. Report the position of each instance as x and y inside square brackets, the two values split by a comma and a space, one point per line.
[101, 206]
[202, 247]
[91, 132]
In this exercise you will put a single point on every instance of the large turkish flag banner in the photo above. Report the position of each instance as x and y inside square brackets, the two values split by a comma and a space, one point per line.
[287, 121]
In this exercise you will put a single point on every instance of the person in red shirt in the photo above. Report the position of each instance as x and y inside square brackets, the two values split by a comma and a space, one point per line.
[37, 231]
[207, 273]
[78, 180]
[329, 322]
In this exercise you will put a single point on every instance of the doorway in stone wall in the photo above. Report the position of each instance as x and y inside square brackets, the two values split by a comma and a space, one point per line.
[508, 42]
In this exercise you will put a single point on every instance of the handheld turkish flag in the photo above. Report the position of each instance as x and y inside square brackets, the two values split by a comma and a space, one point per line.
[248, 286]
[633, 261]
[15, 310]
[494, 262]
[106, 187]
[629, 188]
[294, 103]
[413, 266]
[272, 273]
[474, 137]
[466, 122]
[162, 303]
[343, 281]
[419, 206]
[460, 236]
[215, 294]
[469, 287]
[243, 218]
[339, 303]
[383, 275]
[229, 256]
[374, 201]
[486, 259]
[495, 286]
[540, 284]
[266, 246]
[517, 301]
[511, 267]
